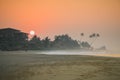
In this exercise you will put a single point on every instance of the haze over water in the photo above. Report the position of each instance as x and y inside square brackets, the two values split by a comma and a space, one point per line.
[91, 53]
[69, 52]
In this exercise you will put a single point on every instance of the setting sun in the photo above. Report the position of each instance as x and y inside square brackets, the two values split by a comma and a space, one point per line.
[32, 32]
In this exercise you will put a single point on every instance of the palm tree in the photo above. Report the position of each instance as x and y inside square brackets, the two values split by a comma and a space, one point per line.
[82, 34]
[46, 42]
[95, 36]
[80, 41]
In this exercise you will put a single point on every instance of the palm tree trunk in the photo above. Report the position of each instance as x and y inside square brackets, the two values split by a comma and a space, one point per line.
[93, 41]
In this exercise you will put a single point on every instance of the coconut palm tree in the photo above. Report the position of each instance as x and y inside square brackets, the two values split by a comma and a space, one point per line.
[80, 41]
[82, 34]
[95, 36]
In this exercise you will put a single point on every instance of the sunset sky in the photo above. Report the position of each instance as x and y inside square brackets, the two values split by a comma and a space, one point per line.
[53, 17]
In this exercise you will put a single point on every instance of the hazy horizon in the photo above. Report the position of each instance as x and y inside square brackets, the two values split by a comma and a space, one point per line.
[54, 17]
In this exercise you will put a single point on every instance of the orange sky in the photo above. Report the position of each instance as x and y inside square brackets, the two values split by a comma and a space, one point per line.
[51, 17]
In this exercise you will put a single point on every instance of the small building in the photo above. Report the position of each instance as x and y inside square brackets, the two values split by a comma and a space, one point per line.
[12, 39]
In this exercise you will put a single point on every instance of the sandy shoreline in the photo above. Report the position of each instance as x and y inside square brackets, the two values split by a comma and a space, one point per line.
[108, 55]
[58, 67]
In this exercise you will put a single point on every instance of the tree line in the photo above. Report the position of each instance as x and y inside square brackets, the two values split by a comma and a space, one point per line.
[12, 39]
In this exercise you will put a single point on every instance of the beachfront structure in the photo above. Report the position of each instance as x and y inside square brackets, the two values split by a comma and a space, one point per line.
[12, 39]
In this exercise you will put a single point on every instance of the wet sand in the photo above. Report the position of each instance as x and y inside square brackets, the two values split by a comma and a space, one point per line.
[58, 67]
[108, 55]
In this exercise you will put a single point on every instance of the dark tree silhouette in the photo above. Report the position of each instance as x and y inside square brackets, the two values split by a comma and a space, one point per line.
[94, 36]
[46, 43]
[97, 35]
[12, 39]
[64, 42]
[80, 41]
[34, 43]
[85, 45]
[82, 34]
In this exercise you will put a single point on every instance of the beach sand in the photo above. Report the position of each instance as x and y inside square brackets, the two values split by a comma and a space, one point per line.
[58, 67]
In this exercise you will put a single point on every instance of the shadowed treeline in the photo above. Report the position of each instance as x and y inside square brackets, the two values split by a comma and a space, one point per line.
[12, 39]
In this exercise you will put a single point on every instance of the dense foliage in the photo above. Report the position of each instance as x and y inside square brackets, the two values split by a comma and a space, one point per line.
[11, 39]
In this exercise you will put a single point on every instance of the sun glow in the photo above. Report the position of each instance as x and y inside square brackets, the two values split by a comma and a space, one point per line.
[32, 32]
